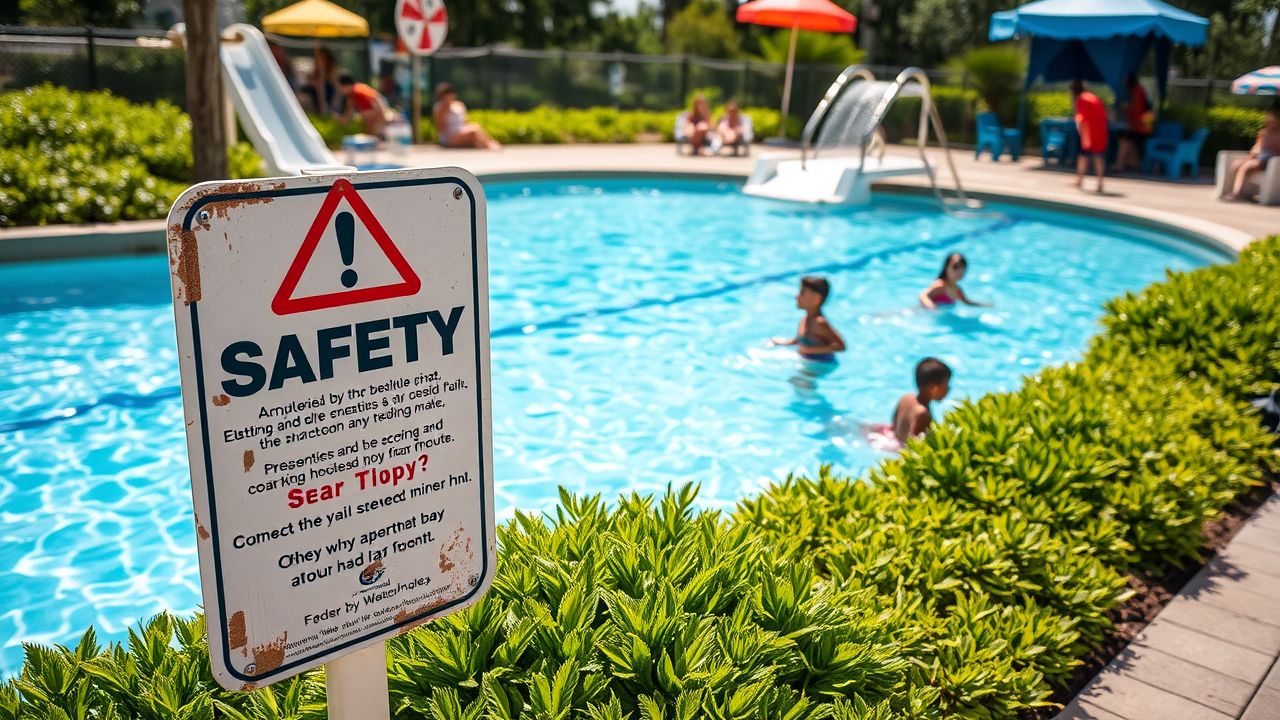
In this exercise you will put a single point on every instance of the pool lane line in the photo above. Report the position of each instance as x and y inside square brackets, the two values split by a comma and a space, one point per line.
[128, 400]
[574, 318]
[123, 400]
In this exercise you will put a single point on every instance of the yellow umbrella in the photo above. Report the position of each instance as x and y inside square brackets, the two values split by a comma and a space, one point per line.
[316, 18]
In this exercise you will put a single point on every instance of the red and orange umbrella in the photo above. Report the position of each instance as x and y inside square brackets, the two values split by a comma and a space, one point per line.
[818, 15]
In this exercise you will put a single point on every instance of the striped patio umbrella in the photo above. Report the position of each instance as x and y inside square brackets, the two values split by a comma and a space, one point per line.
[1259, 82]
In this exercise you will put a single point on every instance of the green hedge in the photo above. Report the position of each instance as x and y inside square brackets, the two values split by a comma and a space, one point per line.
[69, 156]
[963, 579]
[548, 125]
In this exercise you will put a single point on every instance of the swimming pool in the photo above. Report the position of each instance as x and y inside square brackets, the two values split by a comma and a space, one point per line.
[630, 320]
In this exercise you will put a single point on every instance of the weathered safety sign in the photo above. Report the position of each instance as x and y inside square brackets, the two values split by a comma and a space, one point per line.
[333, 335]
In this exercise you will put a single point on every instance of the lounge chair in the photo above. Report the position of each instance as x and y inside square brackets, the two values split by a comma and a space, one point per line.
[1267, 182]
[1175, 154]
[997, 139]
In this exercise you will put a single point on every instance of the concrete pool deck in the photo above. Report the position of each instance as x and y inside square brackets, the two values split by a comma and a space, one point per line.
[1211, 653]
[1187, 205]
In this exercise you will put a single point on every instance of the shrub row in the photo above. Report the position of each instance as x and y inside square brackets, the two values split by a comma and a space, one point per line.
[962, 579]
[70, 156]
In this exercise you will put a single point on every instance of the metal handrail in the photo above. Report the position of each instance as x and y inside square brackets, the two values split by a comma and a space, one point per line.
[828, 99]
[928, 116]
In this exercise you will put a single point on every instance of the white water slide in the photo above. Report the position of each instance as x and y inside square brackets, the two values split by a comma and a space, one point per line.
[268, 110]
[842, 151]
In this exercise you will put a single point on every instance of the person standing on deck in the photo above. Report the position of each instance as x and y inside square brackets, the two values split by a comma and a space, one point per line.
[1091, 124]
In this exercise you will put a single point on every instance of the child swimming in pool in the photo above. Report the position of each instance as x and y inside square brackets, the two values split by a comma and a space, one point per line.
[911, 418]
[815, 339]
[945, 290]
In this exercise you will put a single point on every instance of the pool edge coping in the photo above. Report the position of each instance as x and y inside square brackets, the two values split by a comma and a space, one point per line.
[137, 237]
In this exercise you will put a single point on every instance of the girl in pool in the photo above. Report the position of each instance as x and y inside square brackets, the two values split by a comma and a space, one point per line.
[815, 339]
[945, 290]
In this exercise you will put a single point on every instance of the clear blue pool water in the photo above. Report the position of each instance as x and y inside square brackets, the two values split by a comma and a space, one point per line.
[630, 321]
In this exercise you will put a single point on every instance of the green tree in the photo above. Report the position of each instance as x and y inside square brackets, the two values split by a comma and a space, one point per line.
[103, 13]
[811, 47]
[703, 28]
[940, 29]
[1243, 36]
[636, 33]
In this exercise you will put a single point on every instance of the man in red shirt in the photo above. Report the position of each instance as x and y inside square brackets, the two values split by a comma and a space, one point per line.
[1091, 124]
[364, 101]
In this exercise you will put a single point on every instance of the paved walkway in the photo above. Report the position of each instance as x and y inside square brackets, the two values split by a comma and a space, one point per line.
[1213, 653]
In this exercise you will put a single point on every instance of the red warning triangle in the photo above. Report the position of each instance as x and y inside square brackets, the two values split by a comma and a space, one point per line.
[284, 303]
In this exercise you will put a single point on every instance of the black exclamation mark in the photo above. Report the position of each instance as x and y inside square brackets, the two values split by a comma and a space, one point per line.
[345, 225]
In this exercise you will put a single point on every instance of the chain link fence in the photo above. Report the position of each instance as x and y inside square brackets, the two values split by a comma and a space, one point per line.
[140, 66]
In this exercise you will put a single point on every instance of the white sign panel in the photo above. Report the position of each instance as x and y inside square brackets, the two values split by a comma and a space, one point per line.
[333, 334]
[422, 25]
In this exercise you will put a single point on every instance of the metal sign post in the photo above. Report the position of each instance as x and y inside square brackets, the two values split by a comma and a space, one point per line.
[333, 341]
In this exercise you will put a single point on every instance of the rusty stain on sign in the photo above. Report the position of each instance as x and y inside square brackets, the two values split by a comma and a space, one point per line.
[187, 265]
[248, 460]
[200, 529]
[237, 636]
[221, 400]
[268, 656]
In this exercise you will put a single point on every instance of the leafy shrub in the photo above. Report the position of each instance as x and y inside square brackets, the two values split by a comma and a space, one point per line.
[956, 106]
[1230, 128]
[996, 72]
[818, 48]
[79, 157]
[962, 579]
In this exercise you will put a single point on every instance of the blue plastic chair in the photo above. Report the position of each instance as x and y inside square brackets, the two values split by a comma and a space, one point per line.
[995, 139]
[1057, 140]
[1175, 154]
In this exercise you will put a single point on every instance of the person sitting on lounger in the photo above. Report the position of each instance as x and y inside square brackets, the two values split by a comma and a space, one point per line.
[452, 127]
[1264, 151]
[730, 126]
[697, 126]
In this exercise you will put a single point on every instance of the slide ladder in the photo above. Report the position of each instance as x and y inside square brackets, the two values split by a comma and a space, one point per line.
[267, 107]
[849, 119]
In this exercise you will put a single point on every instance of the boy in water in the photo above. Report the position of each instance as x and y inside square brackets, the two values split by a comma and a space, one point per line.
[912, 417]
[815, 339]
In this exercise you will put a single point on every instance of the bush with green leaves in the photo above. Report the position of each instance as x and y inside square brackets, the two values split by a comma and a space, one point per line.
[964, 578]
[996, 72]
[69, 156]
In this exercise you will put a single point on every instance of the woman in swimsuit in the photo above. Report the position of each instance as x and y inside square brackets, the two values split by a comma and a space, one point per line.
[452, 128]
[945, 290]
[1264, 150]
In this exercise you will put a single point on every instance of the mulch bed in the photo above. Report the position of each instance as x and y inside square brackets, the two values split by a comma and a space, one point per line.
[1152, 591]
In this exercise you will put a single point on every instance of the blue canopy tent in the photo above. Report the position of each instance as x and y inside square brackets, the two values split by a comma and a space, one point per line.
[1097, 40]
